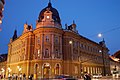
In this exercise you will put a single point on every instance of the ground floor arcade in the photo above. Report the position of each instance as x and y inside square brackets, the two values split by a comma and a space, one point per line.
[51, 68]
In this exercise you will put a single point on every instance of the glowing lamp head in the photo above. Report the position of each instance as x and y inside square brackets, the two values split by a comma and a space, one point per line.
[70, 42]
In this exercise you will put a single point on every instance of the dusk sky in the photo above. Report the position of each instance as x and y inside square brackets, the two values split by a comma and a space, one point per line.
[91, 17]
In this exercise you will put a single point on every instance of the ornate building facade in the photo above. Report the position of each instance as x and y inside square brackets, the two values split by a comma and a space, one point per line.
[3, 62]
[115, 64]
[49, 50]
[2, 2]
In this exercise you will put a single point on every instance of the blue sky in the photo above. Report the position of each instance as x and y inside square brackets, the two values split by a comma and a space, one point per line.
[91, 16]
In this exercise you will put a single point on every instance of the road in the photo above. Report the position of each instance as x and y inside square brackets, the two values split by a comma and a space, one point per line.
[103, 78]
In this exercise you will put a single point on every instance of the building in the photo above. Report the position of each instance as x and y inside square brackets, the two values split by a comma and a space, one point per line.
[49, 50]
[3, 62]
[115, 64]
[2, 2]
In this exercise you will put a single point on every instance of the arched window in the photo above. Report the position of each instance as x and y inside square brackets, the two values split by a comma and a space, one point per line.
[46, 70]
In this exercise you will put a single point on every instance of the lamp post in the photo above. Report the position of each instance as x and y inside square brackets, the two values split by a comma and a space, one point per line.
[70, 56]
[3, 71]
[9, 70]
[19, 69]
[102, 51]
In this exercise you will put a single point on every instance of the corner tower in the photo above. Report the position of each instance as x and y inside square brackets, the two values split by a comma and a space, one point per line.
[49, 17]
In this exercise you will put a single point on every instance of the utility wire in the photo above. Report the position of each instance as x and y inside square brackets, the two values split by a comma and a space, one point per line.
[117, 28]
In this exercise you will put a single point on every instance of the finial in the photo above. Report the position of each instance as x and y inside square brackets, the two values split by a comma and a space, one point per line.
[26, 22]
[49, 1]
[66, 26]
[103, 40]
[49, 4]
[73, 22]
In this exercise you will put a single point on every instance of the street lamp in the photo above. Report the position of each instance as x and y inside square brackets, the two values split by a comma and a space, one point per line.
[101, 51]
[70, 56]
[19, 69]
[70, 42]
[9, 70]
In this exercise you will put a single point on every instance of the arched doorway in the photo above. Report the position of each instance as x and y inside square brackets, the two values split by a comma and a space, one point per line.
[46, 70]
[57, 69]
[36, 66]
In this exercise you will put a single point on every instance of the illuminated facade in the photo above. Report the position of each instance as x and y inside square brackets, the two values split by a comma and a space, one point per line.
[3, 62]
[115, 64]
[50, 50]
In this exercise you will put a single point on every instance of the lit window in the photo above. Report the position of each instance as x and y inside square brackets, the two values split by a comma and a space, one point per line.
[38, 52]
[48, 17]
[100, 51]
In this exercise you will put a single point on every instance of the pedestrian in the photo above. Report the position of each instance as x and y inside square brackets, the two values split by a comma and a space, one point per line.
[20, 76]
[16, 77]
[24, 76]
[87, 76]
[30, 77]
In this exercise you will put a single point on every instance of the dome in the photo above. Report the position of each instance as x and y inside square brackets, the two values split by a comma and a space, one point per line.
[55, 14]
[117, 54]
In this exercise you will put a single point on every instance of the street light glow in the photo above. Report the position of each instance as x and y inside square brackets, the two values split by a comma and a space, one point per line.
[70, 42]
[100, 51]
[18, 67]
[0, 21]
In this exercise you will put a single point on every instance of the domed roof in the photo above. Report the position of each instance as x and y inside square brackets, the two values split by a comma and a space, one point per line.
[55, 14]
[117, 54]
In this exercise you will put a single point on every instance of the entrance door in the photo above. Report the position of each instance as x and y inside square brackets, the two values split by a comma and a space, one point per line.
[57, 70]
[46, 70]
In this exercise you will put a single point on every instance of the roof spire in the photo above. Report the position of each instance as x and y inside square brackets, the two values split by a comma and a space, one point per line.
[73, 21]
[49, 4]
[15, 35]
[49, 1]
[26, 22]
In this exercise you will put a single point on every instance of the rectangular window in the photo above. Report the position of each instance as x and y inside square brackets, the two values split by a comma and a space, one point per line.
[47, 38]
[56, 39]
[38, 40]
[46, 55]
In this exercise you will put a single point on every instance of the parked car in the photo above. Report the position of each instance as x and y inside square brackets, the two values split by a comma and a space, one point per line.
[97, 76]
[65, 77]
